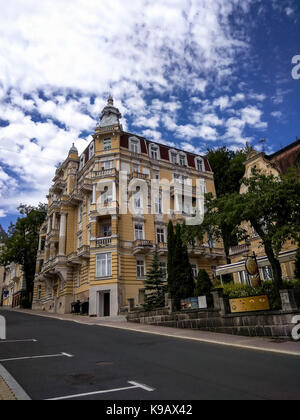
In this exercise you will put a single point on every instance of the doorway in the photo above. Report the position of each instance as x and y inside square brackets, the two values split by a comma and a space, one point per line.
[106, 304]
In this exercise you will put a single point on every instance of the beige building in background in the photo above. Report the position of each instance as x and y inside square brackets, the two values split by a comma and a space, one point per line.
[276, 164]
[90, 248]
[13, 288]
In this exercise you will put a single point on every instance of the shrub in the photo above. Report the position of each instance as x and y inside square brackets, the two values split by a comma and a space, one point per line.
[203, 284]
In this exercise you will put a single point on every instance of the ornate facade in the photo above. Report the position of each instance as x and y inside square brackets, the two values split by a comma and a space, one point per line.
[107, 213]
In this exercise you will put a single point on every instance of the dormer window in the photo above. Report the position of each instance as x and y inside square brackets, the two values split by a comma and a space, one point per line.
[173, 157]
[154, 151]
[182, 159]
[91, 150]
[134, 145]
[199, 162]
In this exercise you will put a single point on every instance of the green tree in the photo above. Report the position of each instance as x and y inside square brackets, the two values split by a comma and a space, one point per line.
[155, 287]
[297, 264]
[3, 235]
[22, 243]
[229, 169]
[203, 284]
[181, 283]
[270, 205]
[171, 253]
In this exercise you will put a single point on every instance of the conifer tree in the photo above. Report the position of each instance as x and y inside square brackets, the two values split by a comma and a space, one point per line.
[171, 251]
[155, 287]
[203, 284]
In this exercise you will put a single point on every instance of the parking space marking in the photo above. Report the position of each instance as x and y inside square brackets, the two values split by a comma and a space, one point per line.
[30, 340]
[134, 385]
[47, 356]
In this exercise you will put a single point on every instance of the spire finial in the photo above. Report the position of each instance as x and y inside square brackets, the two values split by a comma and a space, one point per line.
[110, 101]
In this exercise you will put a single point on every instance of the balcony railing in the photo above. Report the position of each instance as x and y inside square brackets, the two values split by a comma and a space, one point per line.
[240, 249]
[105, 173]
[142, 246]
[139, 175]
[103, 242]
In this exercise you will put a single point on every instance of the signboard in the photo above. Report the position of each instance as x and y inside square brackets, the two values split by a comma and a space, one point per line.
[194, 303]
[249, 304]
[253, 271]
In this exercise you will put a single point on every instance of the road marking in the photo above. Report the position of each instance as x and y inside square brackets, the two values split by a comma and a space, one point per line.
[31, 340]
[16, 388]
[135, 385]
[37, 357]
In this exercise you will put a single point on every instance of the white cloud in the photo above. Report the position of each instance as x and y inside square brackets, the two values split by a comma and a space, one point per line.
[252, 116]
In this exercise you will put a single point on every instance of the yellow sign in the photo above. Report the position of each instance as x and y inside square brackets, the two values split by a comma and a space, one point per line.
[250, 304]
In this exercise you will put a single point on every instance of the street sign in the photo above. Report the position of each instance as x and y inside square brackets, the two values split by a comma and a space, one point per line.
[249, 304]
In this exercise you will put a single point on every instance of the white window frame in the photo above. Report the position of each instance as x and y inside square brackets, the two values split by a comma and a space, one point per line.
[195, 270]
[140, 269]
[107, 164]
[91, 150]
[182, 159]
[154, 152]
[134, 145]
[160, 236]
[107, 258]
[141, 231]
[199, 162]
[171, 153]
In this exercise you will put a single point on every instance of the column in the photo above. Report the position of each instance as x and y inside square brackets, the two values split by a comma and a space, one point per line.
[53, 221]
[62, 234]
[114, 192]
[49, 225]
[94, 193]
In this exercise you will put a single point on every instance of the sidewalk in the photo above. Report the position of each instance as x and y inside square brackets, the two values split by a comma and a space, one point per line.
[266, 344]
[5, 392]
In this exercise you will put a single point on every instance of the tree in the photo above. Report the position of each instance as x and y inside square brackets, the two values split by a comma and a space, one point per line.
[181, 282]
[155, 287]
[3, 235]
[270, 205]
[203, 284]
[22, 243]
[297, 264]
[229, 169]
[171, 252]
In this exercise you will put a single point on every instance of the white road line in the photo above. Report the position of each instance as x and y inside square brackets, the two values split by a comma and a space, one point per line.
[31, 340]
[37, 357]
[16, 388]
[135, 385]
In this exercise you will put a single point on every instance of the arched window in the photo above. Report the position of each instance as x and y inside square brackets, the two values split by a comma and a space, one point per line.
[173, 156]
[182, 159]
[91, 150]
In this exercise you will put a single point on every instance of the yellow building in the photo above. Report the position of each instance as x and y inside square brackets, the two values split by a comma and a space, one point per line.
[108, 210]
[276, 164]
[13, 288]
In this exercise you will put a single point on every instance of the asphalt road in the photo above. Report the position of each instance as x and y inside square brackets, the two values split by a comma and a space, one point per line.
[107, 359]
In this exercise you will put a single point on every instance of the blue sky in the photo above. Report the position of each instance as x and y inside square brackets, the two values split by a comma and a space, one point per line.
[192, 73]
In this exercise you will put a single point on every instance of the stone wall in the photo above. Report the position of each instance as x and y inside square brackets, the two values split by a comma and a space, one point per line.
[257, 324]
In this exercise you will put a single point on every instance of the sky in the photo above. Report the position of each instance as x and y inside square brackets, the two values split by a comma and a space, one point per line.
[189, 73]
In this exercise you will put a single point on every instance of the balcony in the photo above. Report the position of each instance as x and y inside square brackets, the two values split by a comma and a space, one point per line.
[105, 208]
[240, 249]
[75, 199]
[142, 246]
[86, 186]
[162, 249]
[106, 242]
[106, 173]
[139, 175]
[53, 235]
[58, 186]
[84, 252]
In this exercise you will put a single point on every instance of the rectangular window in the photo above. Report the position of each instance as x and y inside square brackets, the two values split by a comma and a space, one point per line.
[106, 144]
[106, 230]
[103, 265]
[39, 292]
[78, 279]
[154, 153]
[195, 270]
[160, 235]
[200, 165]
[164, 269]
[267, 273]
[134, 146]
[140, 269]
[182, 160]
[158, 205]
[135, 167]
[138, 231]
[109, 164]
